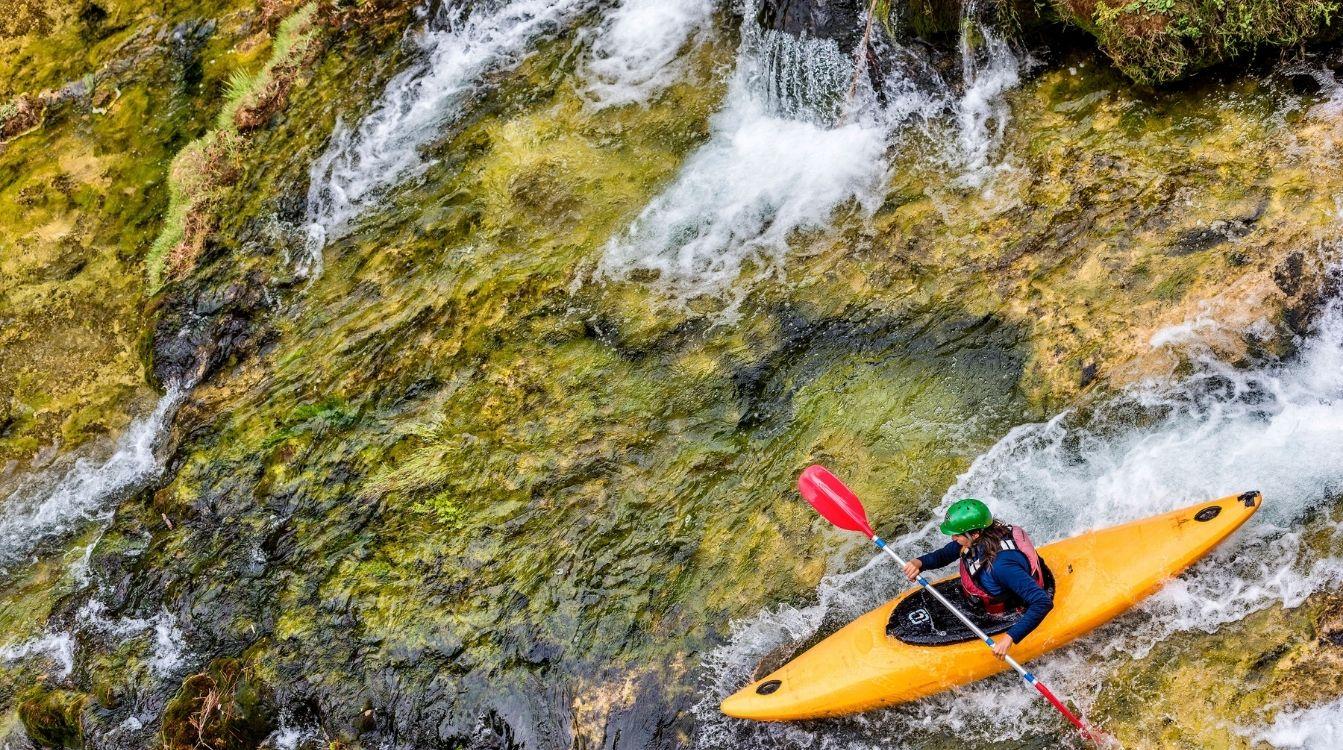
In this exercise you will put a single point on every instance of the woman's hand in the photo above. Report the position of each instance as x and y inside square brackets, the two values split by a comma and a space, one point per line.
[1001, 644]
[912, 569]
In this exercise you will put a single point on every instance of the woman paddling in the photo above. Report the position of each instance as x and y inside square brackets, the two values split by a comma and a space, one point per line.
[999, 568]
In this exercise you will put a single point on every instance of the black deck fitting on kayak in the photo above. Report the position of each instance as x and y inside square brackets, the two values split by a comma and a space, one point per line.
[766, 688]
[1249, 497]
[1208, 513]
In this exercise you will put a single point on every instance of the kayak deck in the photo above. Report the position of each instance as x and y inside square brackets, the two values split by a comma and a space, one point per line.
[1097, 575]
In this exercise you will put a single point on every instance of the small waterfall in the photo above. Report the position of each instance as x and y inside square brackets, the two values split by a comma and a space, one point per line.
[1277, 427]
[47, 507]
[799, 78]
[989, 68]
[460, 43]
[636, 52]
[787, 149]
[774, 163]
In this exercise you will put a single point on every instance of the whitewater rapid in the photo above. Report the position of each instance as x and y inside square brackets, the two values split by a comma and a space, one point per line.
[775, 162]
[1276, 427]
[787, 150]
[638, 49]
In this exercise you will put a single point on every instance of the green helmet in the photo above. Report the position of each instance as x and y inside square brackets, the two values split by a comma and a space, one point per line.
[967, 515]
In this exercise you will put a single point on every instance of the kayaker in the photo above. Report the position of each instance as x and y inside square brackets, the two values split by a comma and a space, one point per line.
[999, 568]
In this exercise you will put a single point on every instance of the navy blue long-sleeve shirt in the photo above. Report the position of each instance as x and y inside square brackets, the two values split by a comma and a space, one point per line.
[1010, 572]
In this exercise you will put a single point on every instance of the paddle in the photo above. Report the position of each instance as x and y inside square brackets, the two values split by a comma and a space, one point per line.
[841, 507]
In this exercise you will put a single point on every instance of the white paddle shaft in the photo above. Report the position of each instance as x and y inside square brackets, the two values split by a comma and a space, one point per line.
[884, 547]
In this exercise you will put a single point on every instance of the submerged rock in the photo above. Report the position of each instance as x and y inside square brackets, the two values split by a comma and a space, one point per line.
[224, 708]
[839, 20]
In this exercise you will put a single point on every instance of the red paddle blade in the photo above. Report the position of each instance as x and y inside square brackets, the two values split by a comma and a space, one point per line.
[833, 500]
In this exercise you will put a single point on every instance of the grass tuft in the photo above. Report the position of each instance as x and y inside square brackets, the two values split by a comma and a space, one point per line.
[206, 166]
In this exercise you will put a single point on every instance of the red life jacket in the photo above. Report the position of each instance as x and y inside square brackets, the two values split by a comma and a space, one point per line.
[1020, 542]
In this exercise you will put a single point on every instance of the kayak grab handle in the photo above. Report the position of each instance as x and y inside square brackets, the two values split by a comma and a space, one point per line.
[1250, 498]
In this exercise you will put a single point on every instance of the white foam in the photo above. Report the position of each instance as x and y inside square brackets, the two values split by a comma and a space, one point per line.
[637, 50]
[170, 647]
[1315, 728]
[988, 71]
[58, 647]
[50, 506]
[1277, 428]
[290, 734]
[458, 47]
[131, 724]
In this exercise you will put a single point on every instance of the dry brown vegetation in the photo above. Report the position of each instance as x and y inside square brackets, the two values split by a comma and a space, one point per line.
[218, 709]
[20, 115]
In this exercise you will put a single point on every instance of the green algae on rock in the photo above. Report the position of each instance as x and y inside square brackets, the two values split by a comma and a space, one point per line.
[52, 718]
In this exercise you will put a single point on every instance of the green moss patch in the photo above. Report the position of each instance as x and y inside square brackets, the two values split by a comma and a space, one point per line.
[207, 167]
[1158, 41]
[53, 718]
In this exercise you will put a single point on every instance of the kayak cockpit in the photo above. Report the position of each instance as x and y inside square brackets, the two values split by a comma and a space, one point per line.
[920, 620]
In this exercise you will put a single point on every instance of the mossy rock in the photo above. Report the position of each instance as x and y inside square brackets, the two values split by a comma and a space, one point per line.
[1159, 41]
[52, 717]
[225, 707]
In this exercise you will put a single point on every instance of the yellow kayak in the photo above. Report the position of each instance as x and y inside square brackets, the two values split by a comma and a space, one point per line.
[883, 658]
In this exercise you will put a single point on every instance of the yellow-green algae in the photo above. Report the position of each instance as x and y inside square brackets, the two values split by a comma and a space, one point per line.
[80, 203]
[1200, 690]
